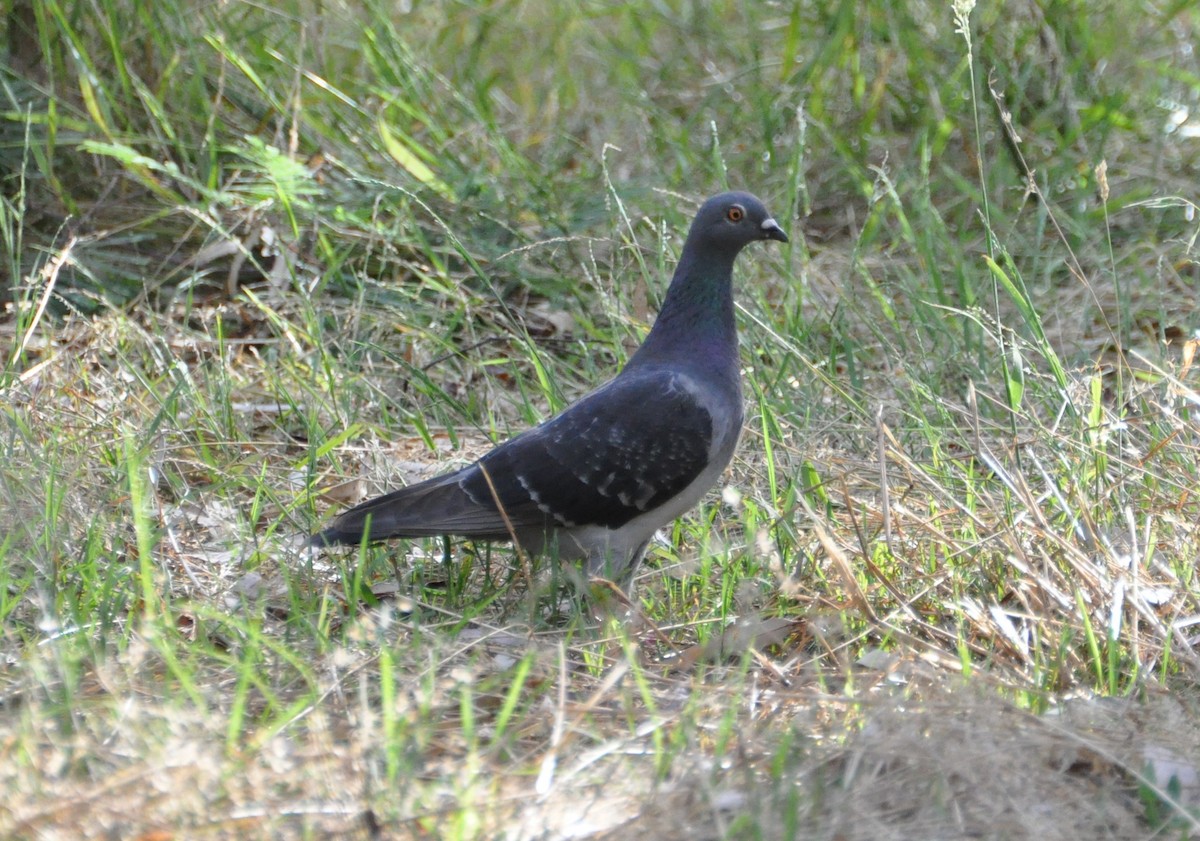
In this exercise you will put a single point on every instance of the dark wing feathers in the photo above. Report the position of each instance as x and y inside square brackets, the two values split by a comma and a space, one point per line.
[427, 509]
[622, 450]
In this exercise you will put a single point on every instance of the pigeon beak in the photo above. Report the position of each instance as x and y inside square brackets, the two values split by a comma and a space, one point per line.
[771, 230]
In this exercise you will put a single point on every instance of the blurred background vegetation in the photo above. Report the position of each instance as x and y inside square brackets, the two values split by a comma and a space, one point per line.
[150, 130]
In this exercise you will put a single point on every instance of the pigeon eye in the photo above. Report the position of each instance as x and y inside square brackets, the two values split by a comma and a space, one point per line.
[735, 213]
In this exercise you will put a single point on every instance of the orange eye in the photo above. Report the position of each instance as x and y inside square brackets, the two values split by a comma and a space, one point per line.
[735, 213]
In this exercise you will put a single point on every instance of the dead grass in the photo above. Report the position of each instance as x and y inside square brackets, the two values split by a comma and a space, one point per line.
[911, 752]
[852, 719]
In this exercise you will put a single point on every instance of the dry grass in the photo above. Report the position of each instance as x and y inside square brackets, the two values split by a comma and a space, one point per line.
[851, 719]
[910, 752]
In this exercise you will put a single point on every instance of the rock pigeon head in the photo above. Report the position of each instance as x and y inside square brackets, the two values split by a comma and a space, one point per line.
[732, 220]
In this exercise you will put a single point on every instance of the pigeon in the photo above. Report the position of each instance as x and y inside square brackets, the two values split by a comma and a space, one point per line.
[595, 482]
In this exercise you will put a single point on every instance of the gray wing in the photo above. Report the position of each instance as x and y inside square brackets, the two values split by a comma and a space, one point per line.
[623, 450]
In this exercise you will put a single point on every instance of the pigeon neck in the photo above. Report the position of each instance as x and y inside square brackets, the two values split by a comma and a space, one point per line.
[696, 325]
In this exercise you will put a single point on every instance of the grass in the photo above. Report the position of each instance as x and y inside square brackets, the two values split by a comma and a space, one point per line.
[260, 261]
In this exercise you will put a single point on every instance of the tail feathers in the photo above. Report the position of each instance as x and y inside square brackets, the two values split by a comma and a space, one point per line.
[432, 508]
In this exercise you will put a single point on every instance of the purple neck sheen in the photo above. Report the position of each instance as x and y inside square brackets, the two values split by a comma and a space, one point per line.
[696, 325]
